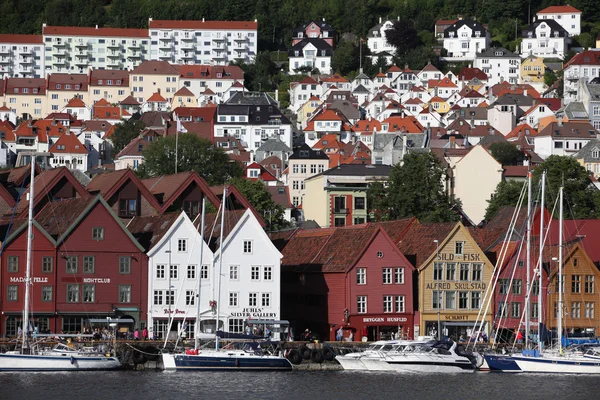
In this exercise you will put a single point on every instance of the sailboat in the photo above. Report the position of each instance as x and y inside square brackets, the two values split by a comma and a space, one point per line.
[537, 361]
[245, 355]
[32, 356]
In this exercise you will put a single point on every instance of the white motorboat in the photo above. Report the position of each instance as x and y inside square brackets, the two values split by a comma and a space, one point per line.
[354, 361]
[435, 356]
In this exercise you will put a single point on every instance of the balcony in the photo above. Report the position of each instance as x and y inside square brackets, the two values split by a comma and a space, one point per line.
[26, 60]
[5, 50]
[187, 46]
[219, 56]
[134, 45]
[240, 39]
[4, 60]
[165, 56]
[81, 43]
[60, 53]
[60, 44]
[218, 39]
[166, 38]
[113, 63]
[81, 61]
[114, 55]
[165, 46]
[187, 56]
[134, 55]
[60, 61]
[113, 45]
[188, 37]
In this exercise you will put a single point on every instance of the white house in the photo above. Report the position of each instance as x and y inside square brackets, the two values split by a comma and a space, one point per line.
[563, 138]
[311, 54]
[499, 64]
[567, 16]
[377, 42]
[245, 285]
[69, 152]
[301, 91]
[585, 66]
[544, 38]
[464, 39]
[21, 56]
[77, 108]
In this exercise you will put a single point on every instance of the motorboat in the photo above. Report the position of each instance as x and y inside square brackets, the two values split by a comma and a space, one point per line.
[434, 356]
[356, 360]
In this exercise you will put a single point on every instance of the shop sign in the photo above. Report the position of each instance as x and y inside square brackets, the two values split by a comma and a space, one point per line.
[458, 257]
[175, 311]
[96, 280]
[455, 286]
[34, 279]
[456, 317]
[254, 313]
[386, 319]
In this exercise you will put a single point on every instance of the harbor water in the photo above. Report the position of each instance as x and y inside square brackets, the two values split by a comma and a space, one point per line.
[312, 385]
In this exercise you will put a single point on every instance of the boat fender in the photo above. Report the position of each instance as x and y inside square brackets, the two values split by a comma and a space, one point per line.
[304, 352]
[478, 360]
[237, 362]
[316, 356]
[72, 360]
[328, 354]
[294, 357]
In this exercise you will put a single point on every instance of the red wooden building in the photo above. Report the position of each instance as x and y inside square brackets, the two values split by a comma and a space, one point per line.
[354, 278]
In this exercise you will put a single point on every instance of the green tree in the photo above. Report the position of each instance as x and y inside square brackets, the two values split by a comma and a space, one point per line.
[549, 78]
[378, 208]
[567, 172]
[194, 154]
[416, 189]
[507, 193]
[125, 132]
[505, 153]
[403, 36]
[257, 194]
[345, 57]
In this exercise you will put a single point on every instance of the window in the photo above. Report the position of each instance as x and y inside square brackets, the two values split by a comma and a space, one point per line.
[450, 300]
[46, 293]
[502, 310]
[476, 272]
[589, 310]
[124, 265]
[459, 247]
[361, 276]
[173, 271]
[252, 299]
[71, 263]
[534, 310]
[158, 297]
[97, 233]
[576, 309]
[339, 204]
[13, 263]
[255, 272]
[388, 304]
[125, 294]
[266, 300]
[169, 297]
[190, 296]
[575, 283]
[436, 299]
[233, 272]
[160, 271]
[387, 276]
[182, 245]
[267, 273]
[517, 286]
[233, 299]
[127, 207]
[450, 271]
[359, 203]
[247, 246]
[89, 263]
[515, 310]
[72, 293]
[361, 304]
[464, 272]
[236, 325]
[399, 304]
[475, 300]
[589, 283]
[399, 276]
[438, 271]
[89, 293]
[463, 300]
[557, 283]
[204, 272]
[535, 287]
[191, 272]
[12, 293]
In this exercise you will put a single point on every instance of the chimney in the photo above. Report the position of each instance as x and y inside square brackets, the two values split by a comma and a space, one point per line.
[560, 122]
[202, 19]
[96, 26]
[491, 131]
[277, 95]
[525, 92]
[452, 138]
[379, 19]
[404, 140]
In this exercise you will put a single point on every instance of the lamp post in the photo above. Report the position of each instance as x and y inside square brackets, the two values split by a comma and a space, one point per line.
[439, 324]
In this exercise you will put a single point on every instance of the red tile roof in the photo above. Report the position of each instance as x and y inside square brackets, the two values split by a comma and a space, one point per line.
[559, 10]
[40, 129]
[184, 92]
[85, 31]
[419, 239]
[75, 102]
[210, 72]
[32, 84]
[521, 130]
[201, 25]
[170, 186]
[154, 67]
[10, 38]
[367, 126]
[335, 78]
[68, 143]
[517, 171]
[156, 98]
[109, 112]
[327, 115]
[7, 127]
[468, 74]
[101, 77]
[68, 210]
[398, 228]
[588, 57]
[68, 82]
[397, 124]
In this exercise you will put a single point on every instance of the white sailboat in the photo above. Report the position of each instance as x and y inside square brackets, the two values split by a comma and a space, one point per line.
[247, 356]
[31, 356]
[558, 361]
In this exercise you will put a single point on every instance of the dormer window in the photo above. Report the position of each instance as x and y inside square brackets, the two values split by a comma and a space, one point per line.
[477, 33]
[596, 153]
[498, 53]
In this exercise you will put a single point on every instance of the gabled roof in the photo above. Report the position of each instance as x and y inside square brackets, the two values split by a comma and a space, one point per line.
[319, 44]
[578, 130]
[556, 30]
[233, 192]
[155, 68]
[399, 124]
[108, 183]
[68, 143]
[149, 230]
[521, 130]
[444, 82]
[473, 25]
[335, 78]
[184, 91]
[129, 101]
[156, 98]
[468, 74]
[40, 129]
[559, 10]
[75, 102]
[201, 25]
[170, 187]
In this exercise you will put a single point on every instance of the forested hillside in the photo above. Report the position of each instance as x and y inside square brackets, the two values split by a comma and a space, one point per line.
[277, 18]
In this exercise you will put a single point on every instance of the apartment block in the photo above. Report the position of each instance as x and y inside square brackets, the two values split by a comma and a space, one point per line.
[75, 49]
[203, 42]
[21, 56]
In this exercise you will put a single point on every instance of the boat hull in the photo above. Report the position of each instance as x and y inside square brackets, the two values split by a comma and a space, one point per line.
[431, 366]
[556, 364]
[351, 363]
[187, 362]
[26, 362]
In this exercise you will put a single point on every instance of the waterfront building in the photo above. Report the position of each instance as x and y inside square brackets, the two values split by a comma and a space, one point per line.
[203, 42]
[71, 49]
[21, 56]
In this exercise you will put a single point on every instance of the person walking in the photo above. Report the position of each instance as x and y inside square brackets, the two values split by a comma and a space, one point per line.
[136, 335]
[145, 334]
[339, 334]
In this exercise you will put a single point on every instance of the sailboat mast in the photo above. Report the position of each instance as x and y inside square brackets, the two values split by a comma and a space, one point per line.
[528, 285]
[560, 276]
[540, 265]
[220, 263]
[197, 325]
[29, 251]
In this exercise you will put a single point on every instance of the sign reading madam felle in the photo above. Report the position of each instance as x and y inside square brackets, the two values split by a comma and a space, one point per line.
[253, 313]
